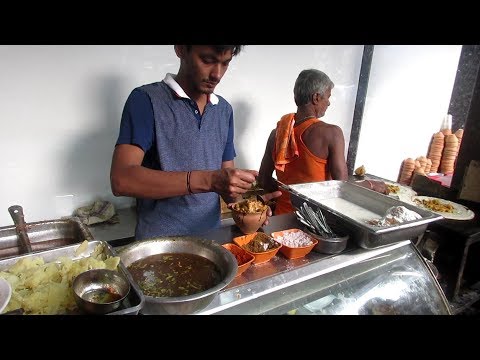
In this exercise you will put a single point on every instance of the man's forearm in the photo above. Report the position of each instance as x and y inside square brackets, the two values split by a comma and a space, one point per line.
[141, 182]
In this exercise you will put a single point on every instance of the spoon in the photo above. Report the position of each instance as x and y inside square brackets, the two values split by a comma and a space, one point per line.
[255, 191]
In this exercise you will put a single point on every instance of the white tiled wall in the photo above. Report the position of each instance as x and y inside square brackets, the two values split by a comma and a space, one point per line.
[60, 108]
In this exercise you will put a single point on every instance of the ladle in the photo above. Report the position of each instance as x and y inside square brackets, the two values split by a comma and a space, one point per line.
[16, 212]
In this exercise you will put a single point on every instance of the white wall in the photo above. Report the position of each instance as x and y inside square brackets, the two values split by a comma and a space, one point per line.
[408, 96]
[60, 108]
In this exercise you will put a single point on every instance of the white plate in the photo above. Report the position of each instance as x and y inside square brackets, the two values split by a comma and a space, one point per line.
[460, 212]
[5, 293]
[404, 194]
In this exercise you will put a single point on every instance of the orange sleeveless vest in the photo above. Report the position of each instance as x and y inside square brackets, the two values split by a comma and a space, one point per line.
[306, 168]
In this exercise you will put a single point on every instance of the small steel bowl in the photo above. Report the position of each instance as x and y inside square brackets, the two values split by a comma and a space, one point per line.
[332, 245]
[100, 291]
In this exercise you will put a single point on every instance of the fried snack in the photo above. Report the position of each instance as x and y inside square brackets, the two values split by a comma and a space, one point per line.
[360, 171]
[249, 206]
[436, 205]
[393, 189]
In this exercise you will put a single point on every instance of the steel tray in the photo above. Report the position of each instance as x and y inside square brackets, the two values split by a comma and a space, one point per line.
[44, 235]
[349, 206]
[131, 305]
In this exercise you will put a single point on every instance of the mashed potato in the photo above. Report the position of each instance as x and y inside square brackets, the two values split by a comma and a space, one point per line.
[46, 288]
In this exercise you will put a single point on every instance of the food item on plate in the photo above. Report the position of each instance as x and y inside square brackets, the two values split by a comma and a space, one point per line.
[360, 171]
[400, 192]
[393, 189]
[448, 209]
[435, 205]
[396, 215]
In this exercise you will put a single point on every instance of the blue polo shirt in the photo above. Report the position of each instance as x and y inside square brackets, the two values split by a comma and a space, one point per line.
[137, 127]
[162, 120]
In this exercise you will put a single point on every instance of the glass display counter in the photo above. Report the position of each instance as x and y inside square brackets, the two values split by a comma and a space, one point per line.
[394, 279]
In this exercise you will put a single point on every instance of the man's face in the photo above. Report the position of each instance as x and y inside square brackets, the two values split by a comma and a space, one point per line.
[205, 67]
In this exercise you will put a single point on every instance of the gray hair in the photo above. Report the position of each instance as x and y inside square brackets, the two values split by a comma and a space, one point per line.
[309, 82]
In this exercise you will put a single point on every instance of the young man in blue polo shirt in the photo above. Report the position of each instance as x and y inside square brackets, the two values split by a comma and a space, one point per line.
[175, 148]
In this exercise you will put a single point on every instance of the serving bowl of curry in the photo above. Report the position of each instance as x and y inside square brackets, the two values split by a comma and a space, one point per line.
[178, 275]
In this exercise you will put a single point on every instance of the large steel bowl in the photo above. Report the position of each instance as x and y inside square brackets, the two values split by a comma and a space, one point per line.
[189, 304]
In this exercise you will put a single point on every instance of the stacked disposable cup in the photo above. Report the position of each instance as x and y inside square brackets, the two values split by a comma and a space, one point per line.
[406, 171]
[435, 150]
[449, 154]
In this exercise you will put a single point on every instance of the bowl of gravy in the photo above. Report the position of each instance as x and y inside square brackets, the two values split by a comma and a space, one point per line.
[178, 275]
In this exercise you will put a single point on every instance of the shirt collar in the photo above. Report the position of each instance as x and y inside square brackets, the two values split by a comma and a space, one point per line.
[170, 81]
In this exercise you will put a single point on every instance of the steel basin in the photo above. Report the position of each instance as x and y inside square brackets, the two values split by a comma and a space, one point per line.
[182, 305]
[44, 235]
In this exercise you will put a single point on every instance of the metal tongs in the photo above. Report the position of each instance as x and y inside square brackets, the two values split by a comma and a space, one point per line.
[314, 220]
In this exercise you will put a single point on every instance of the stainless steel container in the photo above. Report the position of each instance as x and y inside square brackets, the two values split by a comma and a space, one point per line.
[350, 206]
[189, 304]
[130, 305]
[100, 291]
[44, 235]
[328, 245]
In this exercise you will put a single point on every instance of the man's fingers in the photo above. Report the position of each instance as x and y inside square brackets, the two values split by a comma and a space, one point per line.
[272, 195]
[248, 176]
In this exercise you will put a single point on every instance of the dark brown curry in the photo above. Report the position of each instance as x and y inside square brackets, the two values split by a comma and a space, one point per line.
[174, 274]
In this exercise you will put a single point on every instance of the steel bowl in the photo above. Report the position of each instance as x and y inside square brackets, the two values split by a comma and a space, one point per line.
[189, 304]
[329, 245]
[100, 291]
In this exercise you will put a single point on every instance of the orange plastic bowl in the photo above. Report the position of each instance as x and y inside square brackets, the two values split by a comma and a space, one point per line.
[244, 259]
[260, 257]
[294, 252]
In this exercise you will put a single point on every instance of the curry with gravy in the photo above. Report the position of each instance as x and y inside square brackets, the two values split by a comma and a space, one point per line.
[174, 274]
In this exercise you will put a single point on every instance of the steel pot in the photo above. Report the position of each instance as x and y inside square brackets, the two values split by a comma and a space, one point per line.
[223, 259]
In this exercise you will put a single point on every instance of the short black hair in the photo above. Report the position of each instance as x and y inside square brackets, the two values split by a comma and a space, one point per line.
[222, 48]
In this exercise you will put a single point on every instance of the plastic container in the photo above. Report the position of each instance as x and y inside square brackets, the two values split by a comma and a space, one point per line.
[260, 257]
[244, 259]
[294, 252]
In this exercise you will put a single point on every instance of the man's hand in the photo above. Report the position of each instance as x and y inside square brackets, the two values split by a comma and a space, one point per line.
[232, 183]
[267, 198]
